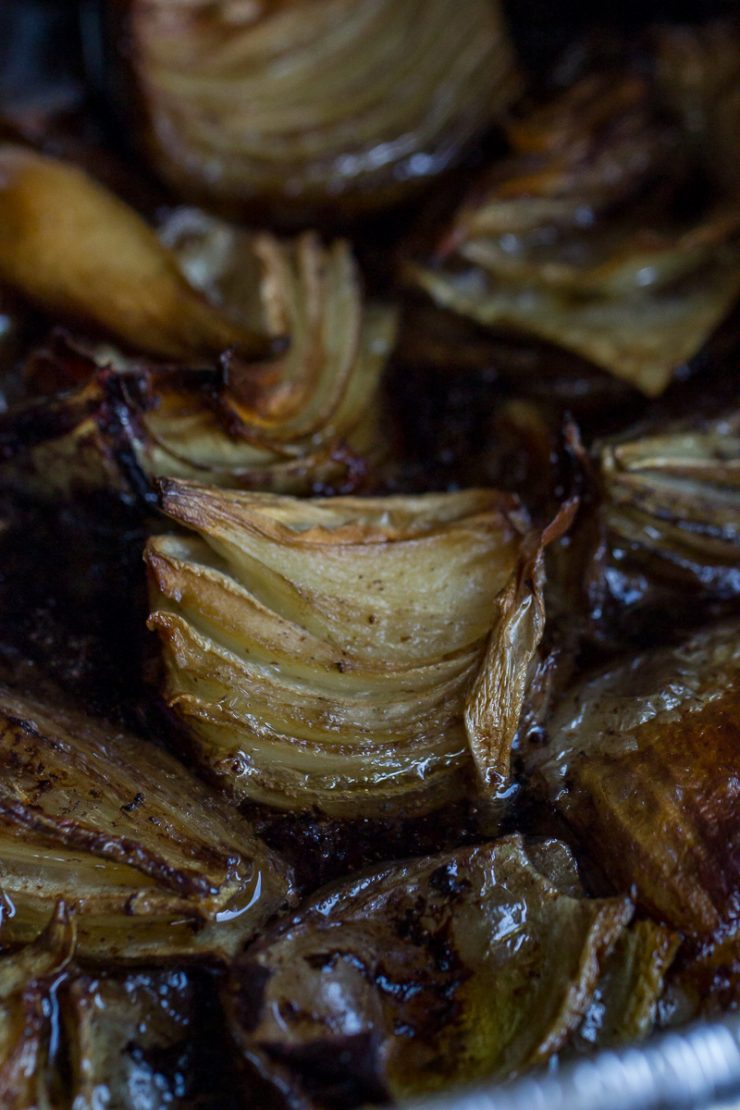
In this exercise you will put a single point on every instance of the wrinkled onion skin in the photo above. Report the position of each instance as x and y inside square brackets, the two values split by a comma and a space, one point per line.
[313, 108]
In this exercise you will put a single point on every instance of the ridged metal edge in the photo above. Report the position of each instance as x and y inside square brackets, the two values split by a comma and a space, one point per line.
[683, 1069]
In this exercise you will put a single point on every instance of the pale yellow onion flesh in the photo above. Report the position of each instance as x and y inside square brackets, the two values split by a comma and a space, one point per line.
[321, 652]
[152, 863]
[332, 102]
[371, 971]
[78, 252]
[641, 339]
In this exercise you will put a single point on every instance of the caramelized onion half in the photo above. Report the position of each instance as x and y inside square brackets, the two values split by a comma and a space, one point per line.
[571, 239]
[423, 974]
[315, 104]
[325, 653]
[150, 861]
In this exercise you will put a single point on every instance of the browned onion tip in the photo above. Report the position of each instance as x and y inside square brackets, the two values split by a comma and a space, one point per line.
[643, 761]
[27, 978]
[578, 238]
[424, 974]
[311, 418]
[151, 863]
[77, 251]
[357, 655]
[314, 105]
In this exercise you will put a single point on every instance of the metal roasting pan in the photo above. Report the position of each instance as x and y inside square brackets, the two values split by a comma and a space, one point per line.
[691, 1068]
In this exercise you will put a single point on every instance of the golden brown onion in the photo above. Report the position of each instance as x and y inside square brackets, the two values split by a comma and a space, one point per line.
[315, 104]
[150, 861]
[423, 974]
[571, 240]
[326, 652]
[27, 978]
[643, 762]
[76, 251]
[307, 419]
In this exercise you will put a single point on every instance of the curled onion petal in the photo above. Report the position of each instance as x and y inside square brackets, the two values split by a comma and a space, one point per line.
[77, 251]
[423, 974]
[308, 419]
[642, 761]
[496, 702]
[151, 862]
[571, 240]
[321, 652]
[315, 104]
[27, 978]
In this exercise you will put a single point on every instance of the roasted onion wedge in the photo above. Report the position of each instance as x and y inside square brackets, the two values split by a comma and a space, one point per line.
[27, 978]
[315, 106]
[76, 251]
[670, 521]
[642, 761]
[324, 653]
[149, 860]
[309, 419]
[570, 240]
[422, 974]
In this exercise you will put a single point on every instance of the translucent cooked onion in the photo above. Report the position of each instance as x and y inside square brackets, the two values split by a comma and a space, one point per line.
[78, 252]
[315, 103]
[422, 974]
[151, 862]
[27, 981]
[327, 653]
[307, 419]
[571, 240]
[643, 762]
